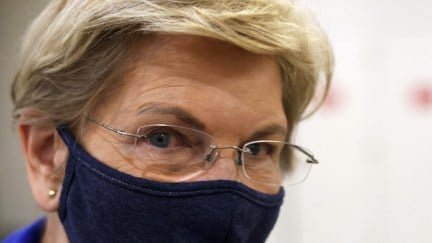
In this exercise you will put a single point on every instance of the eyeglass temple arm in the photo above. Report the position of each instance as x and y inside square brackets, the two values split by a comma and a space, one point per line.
[311, 159]
[121, 132]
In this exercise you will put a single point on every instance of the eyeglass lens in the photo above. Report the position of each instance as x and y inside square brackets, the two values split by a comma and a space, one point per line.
[174, 152]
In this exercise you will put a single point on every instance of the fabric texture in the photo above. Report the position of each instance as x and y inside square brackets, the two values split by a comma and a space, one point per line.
[101, 204]
[30, 234]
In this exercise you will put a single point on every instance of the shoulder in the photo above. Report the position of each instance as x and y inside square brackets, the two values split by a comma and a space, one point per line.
[29, 234]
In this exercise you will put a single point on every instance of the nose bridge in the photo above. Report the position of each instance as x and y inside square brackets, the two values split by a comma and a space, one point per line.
[235, 148]
[225, 164]
[230, 152]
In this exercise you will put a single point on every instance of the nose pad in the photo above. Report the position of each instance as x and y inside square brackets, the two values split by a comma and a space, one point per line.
[239, 160]
[212, 156]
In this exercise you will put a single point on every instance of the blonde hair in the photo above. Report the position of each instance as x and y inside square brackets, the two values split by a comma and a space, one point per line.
[77, 50]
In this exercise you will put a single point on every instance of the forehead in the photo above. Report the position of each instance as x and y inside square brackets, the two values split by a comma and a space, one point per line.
[186, 49]
[200, 54]
[211, 79]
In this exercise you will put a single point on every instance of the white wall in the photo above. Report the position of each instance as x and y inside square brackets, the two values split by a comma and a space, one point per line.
[373, 139]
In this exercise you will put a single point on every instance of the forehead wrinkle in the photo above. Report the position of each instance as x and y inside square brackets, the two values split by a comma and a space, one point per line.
[178, 51]
[176, 111]
[272, 129]
[142, 91]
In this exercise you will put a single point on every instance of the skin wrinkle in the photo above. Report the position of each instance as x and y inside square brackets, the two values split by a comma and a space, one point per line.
[168, 89]
[118, 147]
[178, 112]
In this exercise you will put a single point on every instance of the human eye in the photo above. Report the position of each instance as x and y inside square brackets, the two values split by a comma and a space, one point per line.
[160, 139]
[164, 137]
[260, 149]
[172, 147]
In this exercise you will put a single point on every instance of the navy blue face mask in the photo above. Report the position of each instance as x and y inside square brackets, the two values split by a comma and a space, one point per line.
[101, 204]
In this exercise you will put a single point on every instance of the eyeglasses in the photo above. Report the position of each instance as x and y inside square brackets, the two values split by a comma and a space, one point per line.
[174, 153]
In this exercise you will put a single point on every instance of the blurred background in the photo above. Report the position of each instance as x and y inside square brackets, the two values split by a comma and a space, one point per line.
[373, 135]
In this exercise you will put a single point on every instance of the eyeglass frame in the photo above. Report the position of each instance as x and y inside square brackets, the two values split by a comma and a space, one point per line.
[214, 148]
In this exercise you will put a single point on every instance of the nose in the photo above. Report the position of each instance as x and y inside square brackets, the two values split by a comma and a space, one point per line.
[225, 164]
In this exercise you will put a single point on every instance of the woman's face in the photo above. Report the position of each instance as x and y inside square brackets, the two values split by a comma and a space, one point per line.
[231, 94]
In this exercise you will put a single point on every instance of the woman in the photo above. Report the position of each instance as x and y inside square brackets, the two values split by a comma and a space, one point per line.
[164, 121]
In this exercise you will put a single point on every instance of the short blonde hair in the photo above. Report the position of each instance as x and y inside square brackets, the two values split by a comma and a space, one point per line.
[77, 50]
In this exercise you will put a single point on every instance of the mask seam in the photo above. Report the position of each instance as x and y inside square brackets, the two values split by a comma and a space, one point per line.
[259, 202]
[231, 220]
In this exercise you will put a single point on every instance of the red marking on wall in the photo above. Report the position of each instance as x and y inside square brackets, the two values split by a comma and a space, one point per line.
[421, 97]
[334, 100]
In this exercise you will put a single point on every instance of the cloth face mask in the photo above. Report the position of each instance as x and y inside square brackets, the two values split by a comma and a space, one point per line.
[101, 204]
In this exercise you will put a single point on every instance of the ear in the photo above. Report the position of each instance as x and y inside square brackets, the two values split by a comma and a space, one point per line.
[45, 155]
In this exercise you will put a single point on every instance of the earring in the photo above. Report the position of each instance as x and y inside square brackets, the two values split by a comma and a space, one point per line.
[52, 193]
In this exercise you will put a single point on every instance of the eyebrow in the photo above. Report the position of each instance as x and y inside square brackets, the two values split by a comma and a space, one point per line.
[176, 111]
[271, 129]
